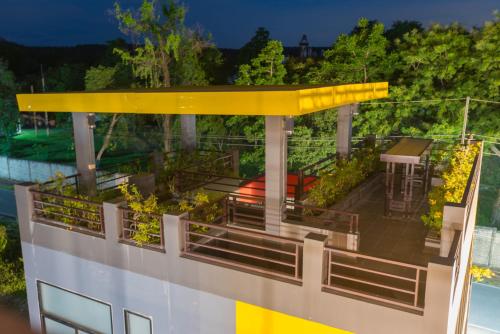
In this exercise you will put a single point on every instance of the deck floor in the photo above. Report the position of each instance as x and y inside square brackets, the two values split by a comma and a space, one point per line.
[396, 237]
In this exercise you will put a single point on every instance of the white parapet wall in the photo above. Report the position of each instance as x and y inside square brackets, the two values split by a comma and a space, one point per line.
[105, 267]
[174, 290]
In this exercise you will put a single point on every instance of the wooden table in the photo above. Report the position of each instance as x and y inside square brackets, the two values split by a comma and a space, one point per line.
[408, 152]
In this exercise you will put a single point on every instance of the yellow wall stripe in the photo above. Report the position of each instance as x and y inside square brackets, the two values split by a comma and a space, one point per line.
[251, 319]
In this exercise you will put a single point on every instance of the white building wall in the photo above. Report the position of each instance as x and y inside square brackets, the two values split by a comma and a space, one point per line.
[174, 309]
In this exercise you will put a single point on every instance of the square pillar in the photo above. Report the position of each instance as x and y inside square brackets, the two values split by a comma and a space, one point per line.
[276, 172]
[314, 262]
[344, 130]
[438, 294]
[85, 153]
[188, 132]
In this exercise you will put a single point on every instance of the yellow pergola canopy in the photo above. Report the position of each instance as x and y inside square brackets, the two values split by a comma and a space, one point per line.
[214, 100]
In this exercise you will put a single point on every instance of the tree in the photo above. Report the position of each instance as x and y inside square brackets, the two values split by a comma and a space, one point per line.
[68, 77]
[399, 28]
[9, 115]
[435, 64]
[359, 57]
[103, 77]
[253, 47]
[486, 77]
[159, 29]
[265, 69]
[168, 53]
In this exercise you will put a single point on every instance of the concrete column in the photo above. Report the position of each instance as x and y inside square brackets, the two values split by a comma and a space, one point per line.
[276, 173]
[344, 130]
[188, 132]
[438, 293]
[85, 153]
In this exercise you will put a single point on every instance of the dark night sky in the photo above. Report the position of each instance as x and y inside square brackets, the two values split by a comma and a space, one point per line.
[231, 22]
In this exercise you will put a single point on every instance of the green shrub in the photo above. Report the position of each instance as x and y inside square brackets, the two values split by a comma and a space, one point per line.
[455, 178]
[11, 265]
[346, 174]
[68, 210]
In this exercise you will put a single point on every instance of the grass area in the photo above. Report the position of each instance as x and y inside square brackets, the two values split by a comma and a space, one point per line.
[59, 146]
[12, 284]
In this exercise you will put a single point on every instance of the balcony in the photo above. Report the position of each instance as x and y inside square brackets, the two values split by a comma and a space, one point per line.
[364, 253]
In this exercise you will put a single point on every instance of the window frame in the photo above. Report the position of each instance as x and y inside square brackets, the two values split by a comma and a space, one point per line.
[125, 318]
[61, 320]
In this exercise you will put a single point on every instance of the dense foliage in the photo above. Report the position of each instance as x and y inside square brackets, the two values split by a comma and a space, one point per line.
[11, 267]
[9, 117]
[454, 183]
[344, 176]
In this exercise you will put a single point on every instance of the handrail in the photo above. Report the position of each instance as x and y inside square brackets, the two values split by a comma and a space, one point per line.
[57, 210]
[353, 217]
[243, 249]
[129, 226]
[65, 197]
[352, 277]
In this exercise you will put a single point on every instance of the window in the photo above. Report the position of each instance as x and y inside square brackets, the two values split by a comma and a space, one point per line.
[65, 312]
[137, 324]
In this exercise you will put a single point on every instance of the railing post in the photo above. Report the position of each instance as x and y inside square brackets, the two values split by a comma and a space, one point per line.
[24, 204]
[453, 219]
[112, 221]
[438, 293]
[299, 189]
[174, 234]
[313, 264]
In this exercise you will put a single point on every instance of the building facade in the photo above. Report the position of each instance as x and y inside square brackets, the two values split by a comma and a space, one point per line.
[226, 278]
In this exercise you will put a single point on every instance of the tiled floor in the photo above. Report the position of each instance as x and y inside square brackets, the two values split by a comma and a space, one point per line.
[396, 237]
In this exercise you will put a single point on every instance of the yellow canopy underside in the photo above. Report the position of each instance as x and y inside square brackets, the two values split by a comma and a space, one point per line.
[215, 100]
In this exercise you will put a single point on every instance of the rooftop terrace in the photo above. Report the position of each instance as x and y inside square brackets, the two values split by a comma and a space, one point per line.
[363, 220]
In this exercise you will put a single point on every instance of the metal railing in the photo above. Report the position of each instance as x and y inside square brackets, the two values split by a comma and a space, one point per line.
[148, 226]
[247, 211]
[70, 213]
[455, 255]
[307, 176]
[336, 219]
[188, 180]
[245, 250]
[376, 279]
[111, 180]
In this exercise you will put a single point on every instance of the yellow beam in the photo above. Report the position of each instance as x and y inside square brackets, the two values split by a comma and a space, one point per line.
[224, 100]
